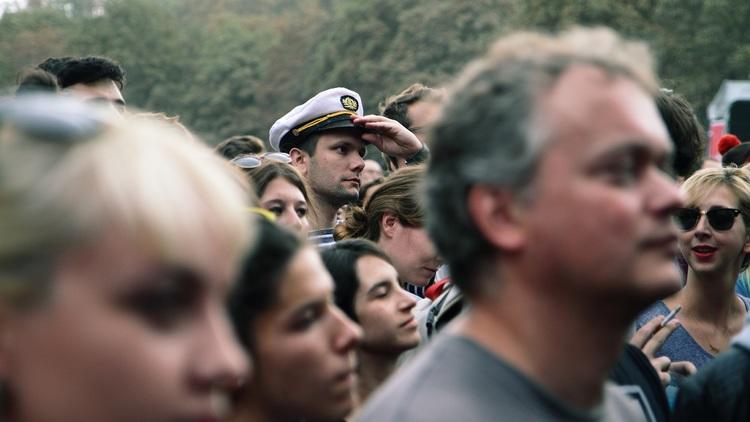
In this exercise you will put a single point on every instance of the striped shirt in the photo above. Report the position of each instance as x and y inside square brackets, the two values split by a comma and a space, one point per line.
[322, 238]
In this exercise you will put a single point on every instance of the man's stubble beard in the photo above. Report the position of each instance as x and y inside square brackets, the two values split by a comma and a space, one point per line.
[338, 197]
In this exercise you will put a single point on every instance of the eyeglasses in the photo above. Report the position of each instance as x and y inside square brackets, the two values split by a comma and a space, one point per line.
[718, 218]
[253, 161]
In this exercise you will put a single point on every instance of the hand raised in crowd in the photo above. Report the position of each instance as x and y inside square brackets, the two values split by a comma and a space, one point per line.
[389, 136]
[650, 338]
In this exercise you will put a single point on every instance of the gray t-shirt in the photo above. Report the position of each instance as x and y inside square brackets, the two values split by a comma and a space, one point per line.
[456, 379]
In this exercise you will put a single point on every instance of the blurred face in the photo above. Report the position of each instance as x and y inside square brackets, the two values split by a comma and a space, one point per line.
[411, 251]
[599, 219]
[287, 202]
[124, 337]
[333, 171]
[422, 114]
[304, 348]
[104, 91]
[383, 308]
[371, 171]
[708, 250]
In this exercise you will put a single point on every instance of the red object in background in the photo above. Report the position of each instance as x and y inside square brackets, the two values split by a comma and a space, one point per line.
[727, 142]
[715, 131]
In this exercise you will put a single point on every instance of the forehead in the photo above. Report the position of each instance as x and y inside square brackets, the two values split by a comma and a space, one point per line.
[716, 194]
[331, 137]
[591, 112]
[117, 260]
[105, 89]
[372, 165]
[281, 188]
[372, 269]
[423, 110]
[305, 279]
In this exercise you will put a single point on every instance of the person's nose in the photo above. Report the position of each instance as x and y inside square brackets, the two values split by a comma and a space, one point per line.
[664, 195]
[357, 163]
[702, 227]
[291, 219]
[218, 361]
[406, 301]
[347, 333]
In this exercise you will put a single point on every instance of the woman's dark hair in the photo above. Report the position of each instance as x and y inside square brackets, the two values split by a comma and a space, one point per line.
[271, 170]
[341, 261]
[259, 280]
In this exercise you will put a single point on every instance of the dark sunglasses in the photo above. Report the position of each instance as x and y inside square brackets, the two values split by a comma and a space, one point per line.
[253, 161]
[718, 218]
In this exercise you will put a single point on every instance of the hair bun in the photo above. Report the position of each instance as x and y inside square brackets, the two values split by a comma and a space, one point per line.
[727, 142]
[353, 226]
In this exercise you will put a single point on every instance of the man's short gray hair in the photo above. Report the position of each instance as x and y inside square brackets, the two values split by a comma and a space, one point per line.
[489, 131]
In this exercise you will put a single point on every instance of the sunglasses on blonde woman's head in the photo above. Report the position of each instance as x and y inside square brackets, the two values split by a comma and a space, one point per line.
[252, 161]
[719, 218]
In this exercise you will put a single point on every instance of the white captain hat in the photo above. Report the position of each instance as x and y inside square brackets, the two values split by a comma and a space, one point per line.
[329, 109]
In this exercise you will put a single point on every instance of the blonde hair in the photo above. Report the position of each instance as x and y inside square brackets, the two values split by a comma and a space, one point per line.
[139, 177]
[703, 182]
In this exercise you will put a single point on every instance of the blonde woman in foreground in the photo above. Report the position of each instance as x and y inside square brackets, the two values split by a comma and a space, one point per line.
[120, 240]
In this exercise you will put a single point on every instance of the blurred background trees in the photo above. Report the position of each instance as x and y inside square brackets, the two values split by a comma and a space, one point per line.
[231, 67]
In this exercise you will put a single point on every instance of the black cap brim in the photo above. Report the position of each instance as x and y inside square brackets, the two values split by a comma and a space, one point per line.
[340, 122]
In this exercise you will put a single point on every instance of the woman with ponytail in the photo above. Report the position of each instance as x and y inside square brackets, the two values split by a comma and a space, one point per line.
[394, 219]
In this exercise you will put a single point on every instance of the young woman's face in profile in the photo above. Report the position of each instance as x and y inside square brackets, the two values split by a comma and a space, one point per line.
[383, 308]
[287, 202]
[304, 347]
[412, 252]
[124, 337]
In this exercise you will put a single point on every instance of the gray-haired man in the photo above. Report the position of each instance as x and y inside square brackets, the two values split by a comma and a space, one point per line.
[551, 203]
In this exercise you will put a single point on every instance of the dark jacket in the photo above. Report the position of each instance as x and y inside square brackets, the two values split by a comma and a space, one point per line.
[720, 391]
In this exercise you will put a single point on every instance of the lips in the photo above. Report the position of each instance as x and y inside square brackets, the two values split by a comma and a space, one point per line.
[409, 323]
[345, 381]
[704, 252]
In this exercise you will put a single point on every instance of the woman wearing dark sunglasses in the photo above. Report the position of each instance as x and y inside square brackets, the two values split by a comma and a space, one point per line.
[714, 240]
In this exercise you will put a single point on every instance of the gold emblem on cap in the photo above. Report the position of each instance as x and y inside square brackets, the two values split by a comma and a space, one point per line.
[349, 103]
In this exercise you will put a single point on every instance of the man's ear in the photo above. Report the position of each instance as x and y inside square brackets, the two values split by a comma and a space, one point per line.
[389, 224]
[495, 213]
[300, 160]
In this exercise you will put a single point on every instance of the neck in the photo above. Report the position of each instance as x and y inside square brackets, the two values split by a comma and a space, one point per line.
[374, 369]
[253, 407]
[323, 215]
[586, 336]
[250, 409]
[709, 297]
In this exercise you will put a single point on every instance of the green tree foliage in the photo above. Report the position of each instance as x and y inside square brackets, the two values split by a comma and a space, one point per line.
[378, 51]
[234, 66]
[29, 36]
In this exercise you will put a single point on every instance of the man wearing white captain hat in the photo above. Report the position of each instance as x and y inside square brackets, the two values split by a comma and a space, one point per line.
[326, 139]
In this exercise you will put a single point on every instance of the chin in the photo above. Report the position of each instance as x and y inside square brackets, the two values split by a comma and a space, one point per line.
[655, 289]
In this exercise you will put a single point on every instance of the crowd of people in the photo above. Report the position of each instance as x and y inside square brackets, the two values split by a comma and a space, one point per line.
[543, 239]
